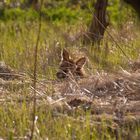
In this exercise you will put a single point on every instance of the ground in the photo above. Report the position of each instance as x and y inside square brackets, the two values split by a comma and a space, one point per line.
[110, 98]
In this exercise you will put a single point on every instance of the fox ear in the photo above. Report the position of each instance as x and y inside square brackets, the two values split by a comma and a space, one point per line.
[81, 62]
[65, 55]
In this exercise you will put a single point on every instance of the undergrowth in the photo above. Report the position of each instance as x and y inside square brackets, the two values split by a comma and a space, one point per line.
[17, 42]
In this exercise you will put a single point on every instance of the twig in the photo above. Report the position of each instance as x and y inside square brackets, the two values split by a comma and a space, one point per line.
[111, 36]
[35, 72]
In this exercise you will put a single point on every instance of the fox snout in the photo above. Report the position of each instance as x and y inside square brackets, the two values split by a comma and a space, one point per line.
[70, 67]
[61, 75]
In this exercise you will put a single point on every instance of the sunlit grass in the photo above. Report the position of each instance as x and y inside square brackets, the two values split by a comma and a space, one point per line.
[17, 42]
[16, 119]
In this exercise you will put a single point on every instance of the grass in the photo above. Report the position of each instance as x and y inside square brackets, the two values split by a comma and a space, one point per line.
[17, 41]
[16, 117]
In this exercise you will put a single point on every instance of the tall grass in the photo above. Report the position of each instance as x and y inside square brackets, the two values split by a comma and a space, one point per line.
[17, 41]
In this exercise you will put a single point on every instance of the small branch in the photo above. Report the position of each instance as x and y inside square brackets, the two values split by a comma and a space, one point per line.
[112, 38]
[35, 72]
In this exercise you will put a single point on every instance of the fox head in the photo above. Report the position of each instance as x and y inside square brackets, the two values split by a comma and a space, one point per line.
[70, 67]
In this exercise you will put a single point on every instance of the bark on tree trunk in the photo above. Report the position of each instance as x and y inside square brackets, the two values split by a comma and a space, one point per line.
[135, 4]
[33, 3]
[99, 23]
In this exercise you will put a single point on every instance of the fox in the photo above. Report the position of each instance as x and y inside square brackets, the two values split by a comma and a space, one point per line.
[69, 67]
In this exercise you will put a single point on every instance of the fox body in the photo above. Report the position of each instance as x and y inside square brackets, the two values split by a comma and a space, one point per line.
[70, 67]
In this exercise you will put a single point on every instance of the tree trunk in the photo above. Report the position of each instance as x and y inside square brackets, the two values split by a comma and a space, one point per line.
[135, 4]
[99, 23]
[33, 3]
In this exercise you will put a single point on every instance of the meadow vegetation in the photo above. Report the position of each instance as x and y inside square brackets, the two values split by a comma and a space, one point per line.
[61, 23]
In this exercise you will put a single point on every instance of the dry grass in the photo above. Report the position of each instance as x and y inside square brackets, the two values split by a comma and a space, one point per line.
[103, 105]
[113, 100]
